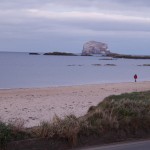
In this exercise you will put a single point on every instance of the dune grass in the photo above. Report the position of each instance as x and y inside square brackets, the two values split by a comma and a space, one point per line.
[127, 114]
[12, 132]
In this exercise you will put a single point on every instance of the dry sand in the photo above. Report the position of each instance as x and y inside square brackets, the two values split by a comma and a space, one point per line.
[37, 104]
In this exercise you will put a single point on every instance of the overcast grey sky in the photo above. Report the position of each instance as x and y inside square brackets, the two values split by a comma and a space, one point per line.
[65, 25]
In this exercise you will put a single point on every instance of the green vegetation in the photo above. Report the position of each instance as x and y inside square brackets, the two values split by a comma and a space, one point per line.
[5, 134]
[128, 112]
[10, 132]
[67, 128]
[125, 116]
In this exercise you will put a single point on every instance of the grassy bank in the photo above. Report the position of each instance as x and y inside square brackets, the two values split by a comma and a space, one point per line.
[116, 118]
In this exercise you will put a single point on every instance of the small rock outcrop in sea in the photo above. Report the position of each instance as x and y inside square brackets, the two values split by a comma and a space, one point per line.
[33, 53]
[93, 47]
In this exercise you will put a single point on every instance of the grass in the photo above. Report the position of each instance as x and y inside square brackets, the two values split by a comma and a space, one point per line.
[127, 114]
[5, 134]
[12, 132]
[67, 128]
[130, 112]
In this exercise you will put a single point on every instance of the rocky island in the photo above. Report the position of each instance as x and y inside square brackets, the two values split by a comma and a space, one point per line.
[94, 47]
[60, 54]
[91, 48]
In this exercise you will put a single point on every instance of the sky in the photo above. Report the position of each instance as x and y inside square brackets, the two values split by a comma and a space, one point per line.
[65, 25]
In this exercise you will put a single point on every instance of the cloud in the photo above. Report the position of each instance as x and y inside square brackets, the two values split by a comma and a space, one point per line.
[76, 20]
[90, 16]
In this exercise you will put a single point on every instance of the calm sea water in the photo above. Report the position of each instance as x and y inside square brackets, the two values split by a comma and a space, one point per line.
[21, 70]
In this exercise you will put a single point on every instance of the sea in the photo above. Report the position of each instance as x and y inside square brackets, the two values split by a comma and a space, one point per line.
[21, 70]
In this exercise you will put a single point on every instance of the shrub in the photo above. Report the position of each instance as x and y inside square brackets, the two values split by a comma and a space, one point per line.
[122, 112]
[5, 135]
[67, 128]
[12, 132]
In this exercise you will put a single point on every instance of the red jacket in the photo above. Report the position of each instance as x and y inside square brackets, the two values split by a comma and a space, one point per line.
[135, 76]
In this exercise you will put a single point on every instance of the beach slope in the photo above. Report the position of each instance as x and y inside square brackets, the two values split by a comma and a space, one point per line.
[34, 105]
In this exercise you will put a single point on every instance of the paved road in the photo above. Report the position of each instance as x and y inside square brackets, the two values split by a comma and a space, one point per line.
[140, 145]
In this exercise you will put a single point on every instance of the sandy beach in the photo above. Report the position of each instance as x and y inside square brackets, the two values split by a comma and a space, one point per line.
[34, 105]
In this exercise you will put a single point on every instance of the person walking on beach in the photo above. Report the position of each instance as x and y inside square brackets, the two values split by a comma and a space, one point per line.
[135, 77]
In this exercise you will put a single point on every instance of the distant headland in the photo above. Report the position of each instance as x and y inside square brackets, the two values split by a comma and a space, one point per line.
[115, 55]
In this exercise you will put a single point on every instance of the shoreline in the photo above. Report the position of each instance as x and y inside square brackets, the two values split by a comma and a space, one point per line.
[33, 105]
[74, 85]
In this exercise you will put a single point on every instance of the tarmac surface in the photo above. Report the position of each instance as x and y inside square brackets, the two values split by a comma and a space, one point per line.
[137, 145]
